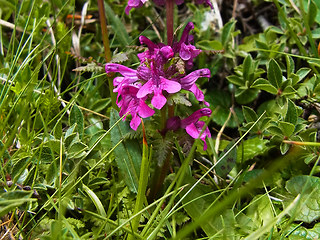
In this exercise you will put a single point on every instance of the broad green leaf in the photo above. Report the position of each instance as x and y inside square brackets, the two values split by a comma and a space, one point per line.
[274, 74]
[251, 148]
[209, 45]
[76, 117]
[77, 150]
[127, 154]
[227, 29]
[245, 96]
[286, 128]
[228, 162]
[237, 80]
[265, 85]
[308, 208]
[284, 148]
[292, 115]
[260, 210]
[57, 130]
[312, 12]
[303, 72]
[297, 232]
[249, 114]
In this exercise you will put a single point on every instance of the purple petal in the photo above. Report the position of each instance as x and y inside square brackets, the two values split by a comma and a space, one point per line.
[167, 52]
[158, 100]
[135, 122]
[125, 71]
[146, 89]
[194, 117]
[185, 32]
[170, 86]
[184, 52]
[191, 78]
[148, 42]
[144, 110]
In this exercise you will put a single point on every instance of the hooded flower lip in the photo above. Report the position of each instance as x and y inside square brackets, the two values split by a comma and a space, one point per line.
[188, 83]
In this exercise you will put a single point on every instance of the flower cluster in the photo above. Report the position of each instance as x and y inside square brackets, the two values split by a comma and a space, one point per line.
[139, 3]
[158, 76]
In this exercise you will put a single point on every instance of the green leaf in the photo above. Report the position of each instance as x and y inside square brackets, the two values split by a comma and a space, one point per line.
[249, 114]
[127, 154]
[286, 128]
[265, 85]
[302, 233]
[248, 67]
[221, 101]
[96, 201]
[308, 209]
[292, 115]
[10, 200]
[77, 150]
[302, 73]
[76, 116]
[237, 80]
[228, 162]
[245, 96]
[251, 148]
[209, 45]
[312, 12]
[274, 74]
[227, 29]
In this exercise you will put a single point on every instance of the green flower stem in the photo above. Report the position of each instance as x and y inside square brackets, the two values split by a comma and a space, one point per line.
[143, 182]
[106, 45]
[314, 144]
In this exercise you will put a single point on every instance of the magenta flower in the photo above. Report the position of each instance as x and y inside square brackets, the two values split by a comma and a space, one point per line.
[155, 85]
[133, 105]
[192, 125]
[134, 4]
[157, 76]
[186, 50]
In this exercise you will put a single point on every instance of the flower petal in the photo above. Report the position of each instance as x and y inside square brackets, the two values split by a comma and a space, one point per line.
[170, 86]
[191, 78]
[144, 110]
[145, 89]
[158, 100]
[135, 122]
[125, 71]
